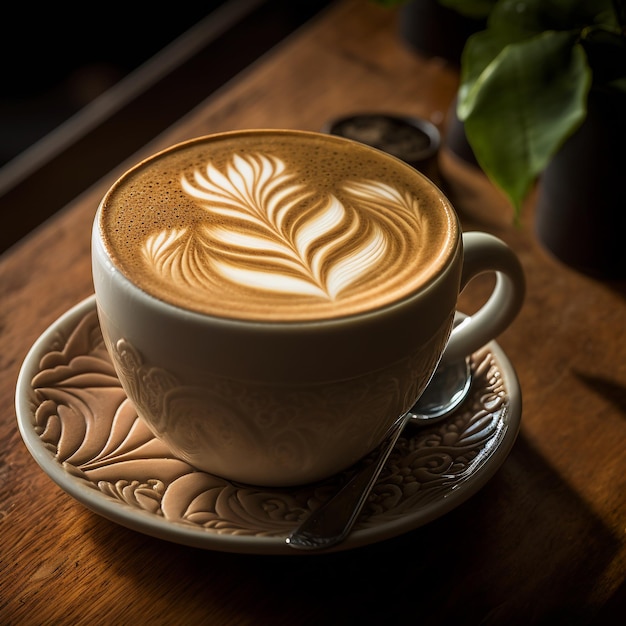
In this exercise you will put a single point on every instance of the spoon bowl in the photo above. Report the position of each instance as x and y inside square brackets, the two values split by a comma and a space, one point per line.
[446, 390]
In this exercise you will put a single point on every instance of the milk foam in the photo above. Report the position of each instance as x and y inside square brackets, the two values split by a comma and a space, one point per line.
[276, 226]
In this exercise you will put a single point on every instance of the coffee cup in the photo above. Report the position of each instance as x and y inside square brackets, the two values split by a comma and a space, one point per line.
[273, 300]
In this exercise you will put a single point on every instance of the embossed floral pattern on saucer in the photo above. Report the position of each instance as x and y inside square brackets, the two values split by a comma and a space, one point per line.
[85, 434]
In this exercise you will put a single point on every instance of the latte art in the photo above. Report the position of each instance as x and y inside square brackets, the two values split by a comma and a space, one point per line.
[267, 227]
[265, 240]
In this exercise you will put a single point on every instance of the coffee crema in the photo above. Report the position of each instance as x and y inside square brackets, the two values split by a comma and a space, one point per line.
[277, 226]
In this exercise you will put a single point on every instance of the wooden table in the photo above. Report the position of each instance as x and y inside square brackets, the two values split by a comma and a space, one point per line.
[543, 542]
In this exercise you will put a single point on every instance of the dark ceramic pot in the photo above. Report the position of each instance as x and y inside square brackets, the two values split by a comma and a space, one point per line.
[435, 30]
[455, 138]
[581, 201]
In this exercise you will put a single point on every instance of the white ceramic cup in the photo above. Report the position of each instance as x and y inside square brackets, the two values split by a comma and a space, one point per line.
[280, 403]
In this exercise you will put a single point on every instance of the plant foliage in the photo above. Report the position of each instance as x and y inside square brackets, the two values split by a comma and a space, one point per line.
[525, 79]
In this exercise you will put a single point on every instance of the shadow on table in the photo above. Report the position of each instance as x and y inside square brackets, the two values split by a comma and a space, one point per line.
[525, 550]
[611, 390]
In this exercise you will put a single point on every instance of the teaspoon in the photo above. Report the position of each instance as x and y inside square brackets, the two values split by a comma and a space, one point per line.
[333, 521]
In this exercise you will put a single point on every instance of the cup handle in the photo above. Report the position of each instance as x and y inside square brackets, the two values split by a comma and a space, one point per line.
[485, 253]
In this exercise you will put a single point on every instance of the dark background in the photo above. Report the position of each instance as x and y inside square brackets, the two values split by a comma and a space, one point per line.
[57, 61]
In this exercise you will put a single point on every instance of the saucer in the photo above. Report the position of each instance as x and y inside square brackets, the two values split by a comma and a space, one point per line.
[85, 434]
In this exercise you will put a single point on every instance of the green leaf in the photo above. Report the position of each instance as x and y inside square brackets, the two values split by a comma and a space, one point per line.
[479, 52]
[523, 105]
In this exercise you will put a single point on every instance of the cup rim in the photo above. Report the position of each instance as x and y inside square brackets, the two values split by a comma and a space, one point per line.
[451, 243]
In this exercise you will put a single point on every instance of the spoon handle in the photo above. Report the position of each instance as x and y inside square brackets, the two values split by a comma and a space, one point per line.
[332, 522]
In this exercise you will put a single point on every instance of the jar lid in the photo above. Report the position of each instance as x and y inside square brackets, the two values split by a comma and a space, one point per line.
[414, 140]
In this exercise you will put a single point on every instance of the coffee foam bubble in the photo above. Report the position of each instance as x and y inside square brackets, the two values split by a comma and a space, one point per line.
[277, 225]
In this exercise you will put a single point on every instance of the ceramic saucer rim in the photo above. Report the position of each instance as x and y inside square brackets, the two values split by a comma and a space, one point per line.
[159, 527]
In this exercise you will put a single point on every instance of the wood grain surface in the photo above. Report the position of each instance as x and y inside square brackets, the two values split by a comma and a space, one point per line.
[544, 542]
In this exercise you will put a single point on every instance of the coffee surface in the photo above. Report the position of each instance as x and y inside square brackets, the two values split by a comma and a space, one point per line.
[278, 226]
